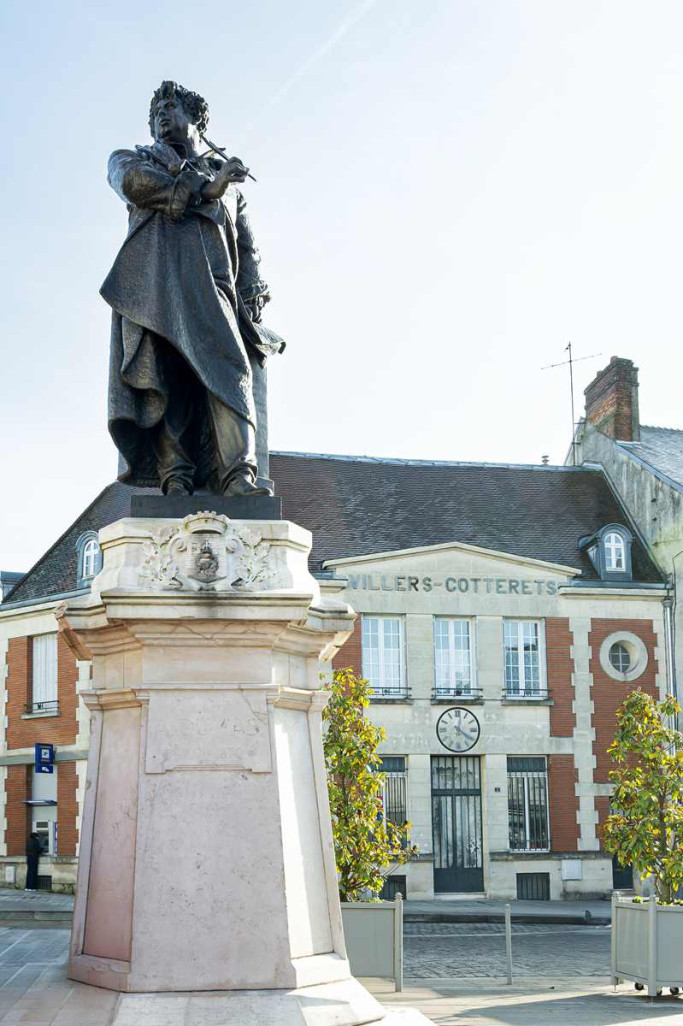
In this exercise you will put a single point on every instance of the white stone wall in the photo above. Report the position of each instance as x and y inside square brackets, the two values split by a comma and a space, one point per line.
[596, 878]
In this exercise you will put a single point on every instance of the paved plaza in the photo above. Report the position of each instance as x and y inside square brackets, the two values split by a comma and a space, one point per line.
[572, 1001]
[34, 990]
[453, 975]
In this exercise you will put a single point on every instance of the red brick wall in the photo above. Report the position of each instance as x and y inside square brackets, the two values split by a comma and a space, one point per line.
[67, 807]
[351, 652]
[18, 678]
[21, 733]
[17, 790]
[560, 666]
[564, 804]
[612, 400]
[607, 694]
[58, 730]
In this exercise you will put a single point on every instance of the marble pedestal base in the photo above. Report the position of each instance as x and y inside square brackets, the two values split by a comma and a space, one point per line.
[207, 888]
[340, 1004]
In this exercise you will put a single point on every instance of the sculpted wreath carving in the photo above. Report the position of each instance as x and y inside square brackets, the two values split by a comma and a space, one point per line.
[208, 553]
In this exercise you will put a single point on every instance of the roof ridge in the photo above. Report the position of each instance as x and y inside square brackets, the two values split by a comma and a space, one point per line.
[398, 461]
[655, 427]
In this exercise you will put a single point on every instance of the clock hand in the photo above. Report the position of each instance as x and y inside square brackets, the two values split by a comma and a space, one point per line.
[461, 731]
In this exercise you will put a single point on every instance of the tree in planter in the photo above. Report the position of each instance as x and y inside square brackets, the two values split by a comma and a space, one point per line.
[365, 842]
[645, 828]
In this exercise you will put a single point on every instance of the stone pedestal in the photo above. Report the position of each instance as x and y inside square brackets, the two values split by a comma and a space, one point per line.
[206, 853]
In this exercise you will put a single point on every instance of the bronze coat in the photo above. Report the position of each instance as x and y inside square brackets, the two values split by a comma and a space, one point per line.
[182, 275]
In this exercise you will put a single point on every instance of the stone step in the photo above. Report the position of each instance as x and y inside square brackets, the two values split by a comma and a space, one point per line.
[8, 916]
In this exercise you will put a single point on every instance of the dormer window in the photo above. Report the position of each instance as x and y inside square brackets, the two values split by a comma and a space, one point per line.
[615, 552]
[89, 555]
[609, 550]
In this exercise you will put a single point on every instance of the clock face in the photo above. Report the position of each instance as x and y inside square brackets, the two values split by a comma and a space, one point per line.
[458, 730]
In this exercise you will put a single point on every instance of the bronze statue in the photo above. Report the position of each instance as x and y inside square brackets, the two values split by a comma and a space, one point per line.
[187, 376]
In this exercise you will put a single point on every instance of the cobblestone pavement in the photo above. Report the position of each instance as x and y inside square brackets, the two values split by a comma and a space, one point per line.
[442, 950]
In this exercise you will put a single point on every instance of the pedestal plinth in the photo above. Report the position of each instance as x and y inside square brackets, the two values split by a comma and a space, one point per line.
[206, 854]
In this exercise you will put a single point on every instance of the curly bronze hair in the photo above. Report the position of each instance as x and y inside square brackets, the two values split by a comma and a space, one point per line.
[194, 105]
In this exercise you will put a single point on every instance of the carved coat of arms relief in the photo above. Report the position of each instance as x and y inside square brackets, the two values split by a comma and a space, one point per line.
[206, 552]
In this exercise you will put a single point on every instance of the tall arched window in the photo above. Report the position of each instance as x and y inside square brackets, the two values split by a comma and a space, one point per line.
[90, 558]
[615, 552]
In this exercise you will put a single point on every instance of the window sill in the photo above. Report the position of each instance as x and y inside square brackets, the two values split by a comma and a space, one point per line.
[525, 856]
[526, 700]
[463, 699]
[391, 700]
[41, 714]
[526, 852]
[420, 857]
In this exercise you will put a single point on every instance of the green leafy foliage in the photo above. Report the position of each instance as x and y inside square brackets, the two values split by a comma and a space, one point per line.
[365, 844]
[645, 827]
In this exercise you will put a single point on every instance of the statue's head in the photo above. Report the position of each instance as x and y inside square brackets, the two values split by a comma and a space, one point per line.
[175, 111]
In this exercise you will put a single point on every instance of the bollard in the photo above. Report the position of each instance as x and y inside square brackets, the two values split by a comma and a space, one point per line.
[398, 941]
[652, 947]
[613, 940]
[508, 943]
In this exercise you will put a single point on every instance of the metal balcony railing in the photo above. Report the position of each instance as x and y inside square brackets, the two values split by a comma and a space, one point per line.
[393, 694]
[526, 695]
[38, 707]
[457, 693]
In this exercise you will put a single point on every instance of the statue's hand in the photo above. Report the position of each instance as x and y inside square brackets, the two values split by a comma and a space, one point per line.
[232, 170]
[255, 307]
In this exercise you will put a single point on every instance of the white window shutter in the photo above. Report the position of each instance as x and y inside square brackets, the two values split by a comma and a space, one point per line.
[44, 669]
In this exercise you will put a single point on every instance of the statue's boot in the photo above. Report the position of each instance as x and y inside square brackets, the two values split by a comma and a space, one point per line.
[243, 484]
[177, 487]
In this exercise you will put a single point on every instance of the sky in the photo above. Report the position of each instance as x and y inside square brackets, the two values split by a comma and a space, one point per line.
[448, 193]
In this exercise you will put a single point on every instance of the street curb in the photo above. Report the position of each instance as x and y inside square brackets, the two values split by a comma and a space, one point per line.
[484, 917]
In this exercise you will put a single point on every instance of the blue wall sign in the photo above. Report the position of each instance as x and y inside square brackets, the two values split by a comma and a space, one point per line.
[45, 758]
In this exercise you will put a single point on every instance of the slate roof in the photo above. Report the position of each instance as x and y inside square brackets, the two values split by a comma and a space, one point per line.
[356, 506]
[661, 449]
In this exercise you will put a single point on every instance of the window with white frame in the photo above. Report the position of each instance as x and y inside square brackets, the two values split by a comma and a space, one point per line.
[615, 552]
[528, 803]
[90, 558]
[44, 673]
[453, 657]
[383, 655]
[394, 792]
[524, 670]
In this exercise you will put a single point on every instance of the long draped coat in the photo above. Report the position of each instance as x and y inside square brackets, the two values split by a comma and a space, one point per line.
[183, 275]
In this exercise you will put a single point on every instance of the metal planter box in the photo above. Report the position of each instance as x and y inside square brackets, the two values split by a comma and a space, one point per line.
[647, 943]
[373, 932]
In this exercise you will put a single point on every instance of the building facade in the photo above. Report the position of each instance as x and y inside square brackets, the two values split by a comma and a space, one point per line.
[504, 614]
[41, 707]
[644, 465]
[497, 681]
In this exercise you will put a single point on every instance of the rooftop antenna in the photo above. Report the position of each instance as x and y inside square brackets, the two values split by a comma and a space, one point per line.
[570, 362]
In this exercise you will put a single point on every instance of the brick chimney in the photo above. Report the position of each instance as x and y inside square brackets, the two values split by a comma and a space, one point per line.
[612, 401]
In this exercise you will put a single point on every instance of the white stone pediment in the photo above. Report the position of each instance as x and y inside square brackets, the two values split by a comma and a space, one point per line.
[453, 568]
